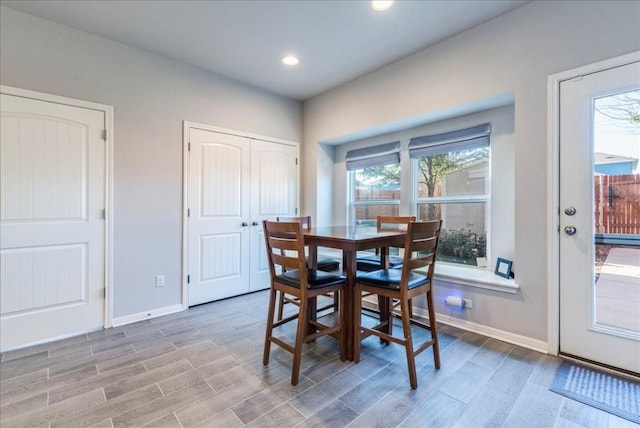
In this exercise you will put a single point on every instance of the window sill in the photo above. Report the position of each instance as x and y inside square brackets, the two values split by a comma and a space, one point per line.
[473, 277]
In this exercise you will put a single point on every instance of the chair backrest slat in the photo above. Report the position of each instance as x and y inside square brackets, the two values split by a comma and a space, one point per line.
[391, 223]
[304, 220]
[285, 247]
[421, 246]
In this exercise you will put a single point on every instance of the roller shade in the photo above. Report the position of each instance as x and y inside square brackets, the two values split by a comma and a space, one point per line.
[383, 154]
[462, 139]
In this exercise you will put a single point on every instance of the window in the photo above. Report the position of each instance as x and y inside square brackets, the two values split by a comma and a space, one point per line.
[374, 175]
[452, 173]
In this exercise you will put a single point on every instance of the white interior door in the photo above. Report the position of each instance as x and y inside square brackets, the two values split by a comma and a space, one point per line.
[52, 226]
[598, 319]
[218, 223]
[274, 170]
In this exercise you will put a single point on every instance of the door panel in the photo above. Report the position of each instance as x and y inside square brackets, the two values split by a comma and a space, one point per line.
[219, 206]
[274, 171]
[51, 219]
[586, 329]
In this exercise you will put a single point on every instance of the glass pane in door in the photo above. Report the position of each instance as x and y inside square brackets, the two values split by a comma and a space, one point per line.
[616, 181]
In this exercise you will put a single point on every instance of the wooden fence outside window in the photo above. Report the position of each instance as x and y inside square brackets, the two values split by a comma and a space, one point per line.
[617, 204]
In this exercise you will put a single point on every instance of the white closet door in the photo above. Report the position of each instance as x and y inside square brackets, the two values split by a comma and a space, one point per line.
[52, 227]
[219, 232]
[274, 193]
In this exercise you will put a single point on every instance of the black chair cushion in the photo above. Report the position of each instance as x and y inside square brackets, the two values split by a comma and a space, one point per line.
[372, 262]
[328, 265]
[390, 278]
[315, 278]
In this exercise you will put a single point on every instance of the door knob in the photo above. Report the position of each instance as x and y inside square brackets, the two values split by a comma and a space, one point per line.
[570, 211]
[255, 223]
[245, 224]
[570, 230]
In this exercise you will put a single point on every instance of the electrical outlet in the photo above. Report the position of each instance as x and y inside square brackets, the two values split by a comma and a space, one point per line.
[159, 280]
[468, 304]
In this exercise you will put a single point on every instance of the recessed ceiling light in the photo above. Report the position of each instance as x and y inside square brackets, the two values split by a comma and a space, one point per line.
[381, 5]
[290, 60]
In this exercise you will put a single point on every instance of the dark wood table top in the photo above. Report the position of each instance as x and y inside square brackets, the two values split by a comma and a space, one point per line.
[353, 238]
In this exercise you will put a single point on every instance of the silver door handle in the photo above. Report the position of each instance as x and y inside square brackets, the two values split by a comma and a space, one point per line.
[255, 223]
[570, 230]
[245, 224]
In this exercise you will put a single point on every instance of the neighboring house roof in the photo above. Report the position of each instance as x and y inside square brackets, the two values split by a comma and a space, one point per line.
[605, 158]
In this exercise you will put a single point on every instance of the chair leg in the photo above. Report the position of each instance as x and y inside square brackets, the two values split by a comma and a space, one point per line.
[343, 325]
[389, 308]
[300, 335]
[411, 360]
[434, 329]
[357, 320]
[280, 304]
[269, 329]
[385, 307]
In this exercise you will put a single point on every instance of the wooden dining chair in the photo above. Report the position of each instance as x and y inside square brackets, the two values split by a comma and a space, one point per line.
[290, 275]
[404, 284]
[324, 264]
[369, 262]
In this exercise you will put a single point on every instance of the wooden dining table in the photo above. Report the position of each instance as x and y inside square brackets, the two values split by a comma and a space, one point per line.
[351, 239]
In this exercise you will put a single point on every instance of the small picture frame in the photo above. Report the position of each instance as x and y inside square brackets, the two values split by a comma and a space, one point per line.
[503, 268]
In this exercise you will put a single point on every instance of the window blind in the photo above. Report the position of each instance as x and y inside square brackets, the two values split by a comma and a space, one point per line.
[461, 139]
[383, 154]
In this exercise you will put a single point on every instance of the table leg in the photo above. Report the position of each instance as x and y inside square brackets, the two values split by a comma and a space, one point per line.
[385, 304]
[352, 333]
[384, 257]
[312, 313]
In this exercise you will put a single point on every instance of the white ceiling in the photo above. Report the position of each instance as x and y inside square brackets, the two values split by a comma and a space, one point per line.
[336, 41]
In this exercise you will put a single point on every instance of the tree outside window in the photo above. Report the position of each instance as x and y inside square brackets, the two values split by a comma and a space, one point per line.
[454, 187]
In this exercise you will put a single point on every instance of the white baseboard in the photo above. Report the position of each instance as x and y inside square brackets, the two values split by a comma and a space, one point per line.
[505, 336]
[141, 316]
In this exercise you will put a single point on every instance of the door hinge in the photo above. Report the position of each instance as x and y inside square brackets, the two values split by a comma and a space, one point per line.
[296, 211]
[104, 292]
[296, 161]
[188, 279]
[189, 147]
[104, 134]
[103, 213]
[188, 212]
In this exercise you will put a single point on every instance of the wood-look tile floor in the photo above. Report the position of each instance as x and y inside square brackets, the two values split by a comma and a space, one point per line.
[203, 368]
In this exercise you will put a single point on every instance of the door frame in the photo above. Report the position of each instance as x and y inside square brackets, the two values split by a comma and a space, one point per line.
[107, 110]
[186, 126]
[553, 196]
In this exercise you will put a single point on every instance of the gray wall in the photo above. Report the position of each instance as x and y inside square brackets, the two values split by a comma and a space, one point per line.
[512, 54]
[151, 96]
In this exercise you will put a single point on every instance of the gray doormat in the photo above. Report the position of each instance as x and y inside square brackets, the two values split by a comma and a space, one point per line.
[613, 394]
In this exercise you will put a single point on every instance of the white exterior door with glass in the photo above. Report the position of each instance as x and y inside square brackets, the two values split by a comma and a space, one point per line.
[599, 247]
